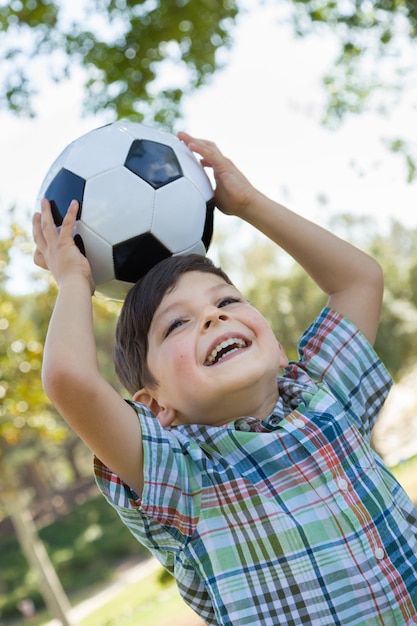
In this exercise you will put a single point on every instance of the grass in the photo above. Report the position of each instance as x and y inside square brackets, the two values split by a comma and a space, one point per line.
[148, 603]
[152, 601]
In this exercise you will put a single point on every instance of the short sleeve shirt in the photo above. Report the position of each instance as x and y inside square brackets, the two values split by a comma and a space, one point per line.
[290, 520]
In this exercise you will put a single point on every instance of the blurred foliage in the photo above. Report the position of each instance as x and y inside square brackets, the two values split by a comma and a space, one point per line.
[84, 546]
[139, 59]
[371, 37]
[23, 408]
[376, 56]
[128, 46]
[397, 337]
[30, 427]
[127, 50]
[406, 150]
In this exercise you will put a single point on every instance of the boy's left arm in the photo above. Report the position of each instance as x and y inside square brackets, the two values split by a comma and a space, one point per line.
[352, 279]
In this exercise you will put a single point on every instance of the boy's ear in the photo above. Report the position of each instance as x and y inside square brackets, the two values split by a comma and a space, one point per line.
[165, 415]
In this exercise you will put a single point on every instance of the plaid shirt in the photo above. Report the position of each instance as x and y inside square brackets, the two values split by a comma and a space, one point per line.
[291, 520]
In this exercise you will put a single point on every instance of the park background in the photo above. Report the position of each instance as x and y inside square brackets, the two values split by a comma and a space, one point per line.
[316, 103]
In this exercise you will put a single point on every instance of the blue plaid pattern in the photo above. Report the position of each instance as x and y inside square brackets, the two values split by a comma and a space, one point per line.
[292, 520]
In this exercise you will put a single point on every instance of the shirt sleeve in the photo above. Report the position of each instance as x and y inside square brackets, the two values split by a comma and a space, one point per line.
[171, 495]
[194, 593]
[165, 517]
[333, 351]
[151, 535]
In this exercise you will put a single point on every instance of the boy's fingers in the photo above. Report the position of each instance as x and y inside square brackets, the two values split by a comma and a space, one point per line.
[202, 146]
[39, 259]
[210, 154]
[45, 207]
[37, 229]
[69, 220]
[47, 222]
[36, 222]
[72, 209]
[39, 239]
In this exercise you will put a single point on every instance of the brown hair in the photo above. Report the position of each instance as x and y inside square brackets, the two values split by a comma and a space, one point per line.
[131, 340]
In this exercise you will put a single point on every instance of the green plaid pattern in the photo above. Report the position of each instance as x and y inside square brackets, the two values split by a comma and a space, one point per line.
[292, 520]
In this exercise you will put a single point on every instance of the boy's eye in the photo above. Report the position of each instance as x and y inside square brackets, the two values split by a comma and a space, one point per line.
[173, 325]
[180, 321]
[228, 300]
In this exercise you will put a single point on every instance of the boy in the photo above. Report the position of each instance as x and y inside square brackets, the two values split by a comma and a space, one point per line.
[260, 494]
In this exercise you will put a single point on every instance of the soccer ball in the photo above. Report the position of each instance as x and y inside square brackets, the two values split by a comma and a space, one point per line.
[143, 198]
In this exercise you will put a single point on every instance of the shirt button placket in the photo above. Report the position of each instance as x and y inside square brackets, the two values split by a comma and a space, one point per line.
[342, 484]
[379, 553]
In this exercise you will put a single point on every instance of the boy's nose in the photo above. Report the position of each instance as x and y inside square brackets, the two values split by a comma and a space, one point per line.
[213, 315]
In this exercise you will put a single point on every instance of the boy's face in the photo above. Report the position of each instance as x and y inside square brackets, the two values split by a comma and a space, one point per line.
[214, 356]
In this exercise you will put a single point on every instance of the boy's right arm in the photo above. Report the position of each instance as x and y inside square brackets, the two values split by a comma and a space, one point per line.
[70, 373]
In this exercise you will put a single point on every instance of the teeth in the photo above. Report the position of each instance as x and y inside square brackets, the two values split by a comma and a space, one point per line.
[215, 356]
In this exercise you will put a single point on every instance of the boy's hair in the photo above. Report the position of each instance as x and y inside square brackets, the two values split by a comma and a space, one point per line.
[131, 339]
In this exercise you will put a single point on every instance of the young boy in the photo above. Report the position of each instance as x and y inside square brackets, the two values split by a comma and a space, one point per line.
[260, 494]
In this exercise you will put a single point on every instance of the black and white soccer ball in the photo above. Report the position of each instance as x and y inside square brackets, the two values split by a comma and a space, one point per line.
[143, 197]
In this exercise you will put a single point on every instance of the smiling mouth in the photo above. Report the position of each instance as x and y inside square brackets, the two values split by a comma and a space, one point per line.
[225, 348]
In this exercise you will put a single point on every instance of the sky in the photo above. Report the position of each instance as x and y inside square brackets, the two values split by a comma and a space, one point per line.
[263, 110]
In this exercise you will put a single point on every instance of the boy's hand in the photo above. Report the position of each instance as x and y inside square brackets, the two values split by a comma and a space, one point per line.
[234, 194]
[55, 248]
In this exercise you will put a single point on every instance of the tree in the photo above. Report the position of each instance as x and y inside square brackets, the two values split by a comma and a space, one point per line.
[397, 336]
[139, 59]
[371, 36]
[24, 410]
[36, 554]
[376, 43]
[31, 432]
[26, 420]
[30, 426]
[127, 50]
